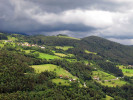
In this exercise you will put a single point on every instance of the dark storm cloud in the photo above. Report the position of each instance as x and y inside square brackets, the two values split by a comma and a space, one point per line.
[79, 18]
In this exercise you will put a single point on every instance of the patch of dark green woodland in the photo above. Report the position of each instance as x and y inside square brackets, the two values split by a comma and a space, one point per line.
[128, 79]
[3, 37]
[120, 93]
[80, 54]
[110, 68]
[12, 69]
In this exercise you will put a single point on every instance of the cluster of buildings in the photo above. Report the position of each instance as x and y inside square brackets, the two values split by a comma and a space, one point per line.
[31, 45]
[8, 41]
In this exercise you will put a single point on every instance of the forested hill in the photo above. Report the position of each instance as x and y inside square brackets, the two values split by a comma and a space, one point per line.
[64, 68]
[107, 49]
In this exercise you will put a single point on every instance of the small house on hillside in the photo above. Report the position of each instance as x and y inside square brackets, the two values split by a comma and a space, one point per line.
[61, 76]
[96, 78]
[72, 80]
[43, 47]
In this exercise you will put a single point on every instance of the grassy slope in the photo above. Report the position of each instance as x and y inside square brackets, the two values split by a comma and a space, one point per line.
[64, 47]
[89, 52]
[47, 56]
[60, 54]
[63, 82]
[50, 67]
[105, 76]
[126, 72]
[58, 70]
[12, 38]
[113, 83]
[68, 37]
[108, 98]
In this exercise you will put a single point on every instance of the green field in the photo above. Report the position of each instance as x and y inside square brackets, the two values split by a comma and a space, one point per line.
[1, 45]
[108, 79]
[103, 75]
[44, 55]
[47, 56]
[108, 98]
[12, 38]
[50, 67]
[70, 55]
[126, 72]
[113, 83]
[89, 52]
[61, 82]
[60, 54]
[68, 37]
[64, 47]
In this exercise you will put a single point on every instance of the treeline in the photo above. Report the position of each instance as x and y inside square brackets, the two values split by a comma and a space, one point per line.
[111, 68]
[50, 40]
[120, 93]
[3, 36]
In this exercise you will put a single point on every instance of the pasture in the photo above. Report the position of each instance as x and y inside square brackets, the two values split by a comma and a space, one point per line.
[12, 38]
[50, 67]
[60, 54]
[61, 82]
[68, 37]
[126, 72]
[103, 75]
[89, 52]
[46, 56]
[64, 47]
[113, 83]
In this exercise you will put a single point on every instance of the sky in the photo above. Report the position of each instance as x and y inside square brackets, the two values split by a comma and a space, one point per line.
[111, 19]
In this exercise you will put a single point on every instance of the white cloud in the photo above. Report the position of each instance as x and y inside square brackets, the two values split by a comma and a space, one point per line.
[121, 1]
[93, 18]
[122, 41]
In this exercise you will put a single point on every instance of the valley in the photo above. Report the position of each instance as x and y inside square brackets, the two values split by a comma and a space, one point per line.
[66, 62]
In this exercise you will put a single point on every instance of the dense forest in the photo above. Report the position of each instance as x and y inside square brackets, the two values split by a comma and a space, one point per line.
[20, 81]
